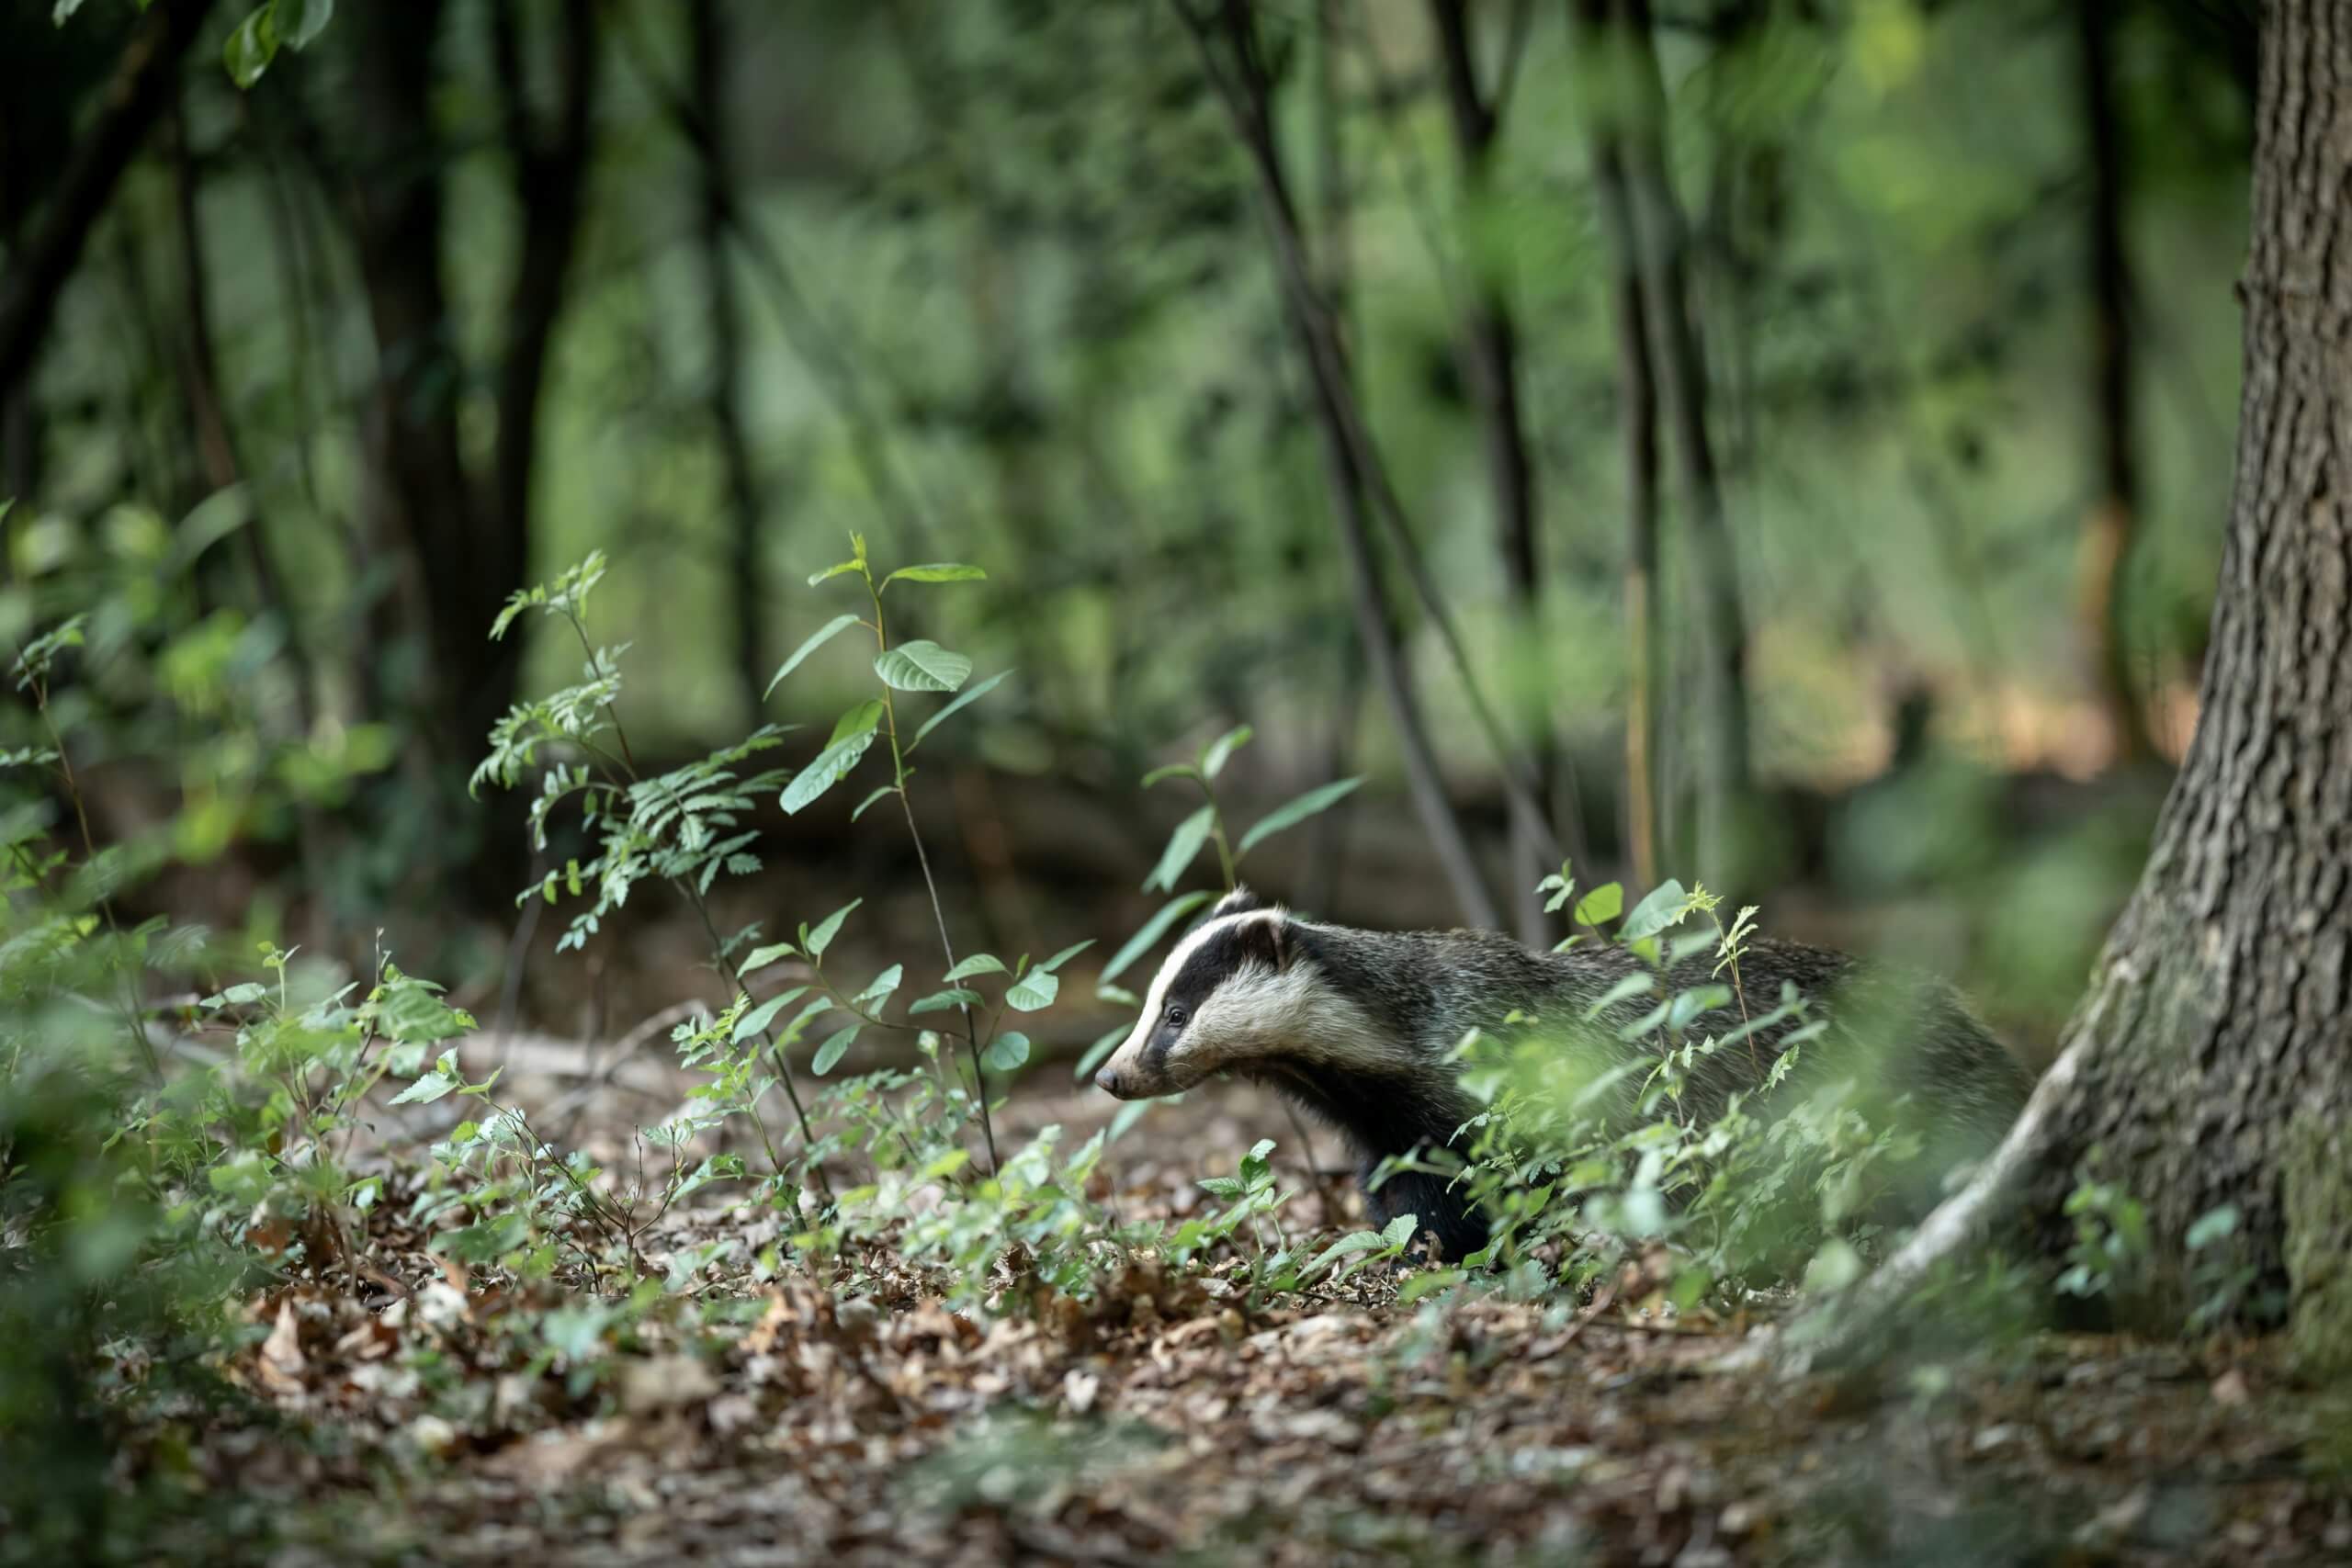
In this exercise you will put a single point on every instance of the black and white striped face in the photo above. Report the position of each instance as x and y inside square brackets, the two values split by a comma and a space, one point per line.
[1239, 992]
[1216, 978]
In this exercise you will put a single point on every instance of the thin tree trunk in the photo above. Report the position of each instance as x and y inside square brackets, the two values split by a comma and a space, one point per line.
[141, 90]
[1490, 360]
[1662, 238]
[1245, 89]
[1307, 314]
[743, 510]
[2211, 1063]
[2108, 531]
[1637, 419]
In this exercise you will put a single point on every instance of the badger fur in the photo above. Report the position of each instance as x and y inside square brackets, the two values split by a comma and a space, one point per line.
[1361, 1027]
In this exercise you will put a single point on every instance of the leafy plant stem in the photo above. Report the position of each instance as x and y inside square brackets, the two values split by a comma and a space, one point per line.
[922, 861]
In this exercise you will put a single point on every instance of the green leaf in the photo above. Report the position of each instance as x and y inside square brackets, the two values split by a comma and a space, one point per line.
[1171, 771]
[1688, 1005]
[882, 794]
[1182, 845]
[1653, 914]
[945, 1165]
[1427, 1282]
[58, 15]
[1601, 903]
[853, 735]
[817, 639]
[444, 1078]
[978, 963]
[879, 989]
[300, 21]
[1065, 954]
[829, 927]
[1144, 940]
[760, 957]
[835, 1047]
[922, 666]
[1297, 812]
[972, 696]
[940, 1001]
[937, 571]
[1400, 1230]
[1006, 1052]
[835, 569]
[251, 48]
[1220, 750]
[760, 1017]
[1834, 1267]
[1033, 991]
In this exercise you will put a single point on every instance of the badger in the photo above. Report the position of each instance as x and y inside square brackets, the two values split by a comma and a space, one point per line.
[1363, 1029]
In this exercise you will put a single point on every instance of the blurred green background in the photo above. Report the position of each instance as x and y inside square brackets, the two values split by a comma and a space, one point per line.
[463, 290]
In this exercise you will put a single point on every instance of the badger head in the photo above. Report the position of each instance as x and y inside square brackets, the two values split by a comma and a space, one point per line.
[1240, 993]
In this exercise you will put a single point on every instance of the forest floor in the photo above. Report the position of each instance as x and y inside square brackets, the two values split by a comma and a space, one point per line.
[429, 1419]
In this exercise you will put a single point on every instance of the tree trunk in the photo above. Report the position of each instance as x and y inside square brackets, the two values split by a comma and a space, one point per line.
[1489, 349]
[2108, 531]
[1662, 241]
[727, 356]
[2225, 991]
[2211, 1063]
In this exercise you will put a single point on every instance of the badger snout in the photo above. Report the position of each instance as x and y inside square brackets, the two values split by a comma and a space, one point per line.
[1107, 1080]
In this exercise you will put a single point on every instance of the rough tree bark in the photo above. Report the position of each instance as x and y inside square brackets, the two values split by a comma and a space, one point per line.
[2211, 1063]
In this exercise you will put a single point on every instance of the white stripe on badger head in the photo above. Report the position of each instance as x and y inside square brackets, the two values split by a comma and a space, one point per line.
[1294, 1013]
[1128, 1057]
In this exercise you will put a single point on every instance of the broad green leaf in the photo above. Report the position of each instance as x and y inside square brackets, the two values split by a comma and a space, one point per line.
[1006, 1052]
[922, 666]
[1220, 750]
[835, 569]
[817, 639]
[829, 927]
[251, 48]
[444, 1078]
[760, 957]
[1688, 1005]
[940, 1001]
[1065, 954]
[1295, 812]
[1834, 1267]
[972, 694]
[1182, 845]
[1400, 1230]
[978, 963]
[1601, 903]
[947, 1164]
[853, 738]
[760, 1017]
[1033, 991]
[835, 1047]
[1662, 909]
[936, 571]
[1144, 940]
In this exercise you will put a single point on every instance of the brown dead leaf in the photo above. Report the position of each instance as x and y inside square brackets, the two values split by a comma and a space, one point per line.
[282, 1362]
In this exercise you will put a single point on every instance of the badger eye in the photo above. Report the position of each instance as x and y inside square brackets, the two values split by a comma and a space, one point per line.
[1176, 1014]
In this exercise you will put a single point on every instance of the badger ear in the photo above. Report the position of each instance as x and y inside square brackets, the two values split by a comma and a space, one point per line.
[1240, 901]
[1264, 936]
